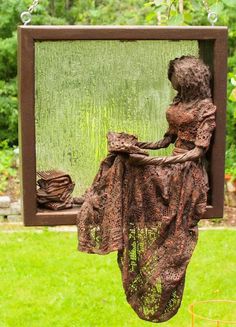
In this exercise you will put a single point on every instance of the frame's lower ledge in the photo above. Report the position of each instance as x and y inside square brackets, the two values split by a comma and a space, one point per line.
[46, 217]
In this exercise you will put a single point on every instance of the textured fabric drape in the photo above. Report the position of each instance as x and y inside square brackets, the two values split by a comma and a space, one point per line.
[149, 213]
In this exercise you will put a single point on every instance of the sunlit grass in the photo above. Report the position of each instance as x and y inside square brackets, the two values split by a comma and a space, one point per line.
[45, 281]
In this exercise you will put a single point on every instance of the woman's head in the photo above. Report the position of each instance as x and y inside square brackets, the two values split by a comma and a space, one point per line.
[190, 77]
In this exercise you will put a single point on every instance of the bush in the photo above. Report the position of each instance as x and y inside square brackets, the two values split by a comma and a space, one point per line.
[105, 12]
[230, 162]
[7, 167]
[8, 112]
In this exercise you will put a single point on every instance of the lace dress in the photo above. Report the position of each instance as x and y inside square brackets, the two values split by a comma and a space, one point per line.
[149, 214]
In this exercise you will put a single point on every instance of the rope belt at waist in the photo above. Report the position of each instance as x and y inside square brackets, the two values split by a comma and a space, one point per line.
[178, 151]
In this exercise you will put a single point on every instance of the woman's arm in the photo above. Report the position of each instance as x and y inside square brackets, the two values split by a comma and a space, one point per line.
[164, 143]
[191, 155]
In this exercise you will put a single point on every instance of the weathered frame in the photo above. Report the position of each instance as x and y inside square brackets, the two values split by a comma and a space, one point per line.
[213, 49]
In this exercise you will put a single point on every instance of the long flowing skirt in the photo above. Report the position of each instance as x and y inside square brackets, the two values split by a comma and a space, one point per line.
[149, 214]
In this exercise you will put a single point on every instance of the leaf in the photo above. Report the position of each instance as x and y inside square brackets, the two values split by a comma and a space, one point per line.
[94, 13]
[176, 20]
[232, 96]
[230, 3]
[151, 16]
[158, 3]
[230, 74]
[162, 9]
[217, 8]
[188, 18]
[196, 5]
[233, 81]
[149, 4]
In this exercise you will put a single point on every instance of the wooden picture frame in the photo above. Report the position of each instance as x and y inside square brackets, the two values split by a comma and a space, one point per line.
[213, 50]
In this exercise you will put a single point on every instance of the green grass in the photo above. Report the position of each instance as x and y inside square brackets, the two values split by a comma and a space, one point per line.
[45, 281]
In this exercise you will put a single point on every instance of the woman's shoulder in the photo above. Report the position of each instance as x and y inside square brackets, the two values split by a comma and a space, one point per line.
[206, 108]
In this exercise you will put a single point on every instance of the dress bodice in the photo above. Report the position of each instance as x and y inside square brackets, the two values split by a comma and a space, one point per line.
[191, 125]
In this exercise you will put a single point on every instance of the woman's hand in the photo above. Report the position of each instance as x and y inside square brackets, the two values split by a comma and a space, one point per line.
[191, 155]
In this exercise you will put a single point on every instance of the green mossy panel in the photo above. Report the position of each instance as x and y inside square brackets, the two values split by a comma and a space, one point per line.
[86, 88]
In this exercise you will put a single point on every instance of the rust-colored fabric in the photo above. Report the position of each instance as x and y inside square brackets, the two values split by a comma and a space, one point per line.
[54, 190]
[149, 213]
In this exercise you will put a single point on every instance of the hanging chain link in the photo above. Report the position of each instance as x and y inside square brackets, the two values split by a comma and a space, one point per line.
[163, 18]
[26, 16]
[212, 16]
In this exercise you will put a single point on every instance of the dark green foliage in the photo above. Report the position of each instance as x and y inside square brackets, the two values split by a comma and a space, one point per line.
[8, 58]
[231, 124]
[104, 12]
[9, 19]
[7, 166]
[8, 112]
[195, 14]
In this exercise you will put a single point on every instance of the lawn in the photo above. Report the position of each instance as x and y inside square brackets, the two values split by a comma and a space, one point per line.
[45, 281]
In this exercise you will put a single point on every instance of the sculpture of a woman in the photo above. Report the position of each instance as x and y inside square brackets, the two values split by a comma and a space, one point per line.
[147, 208]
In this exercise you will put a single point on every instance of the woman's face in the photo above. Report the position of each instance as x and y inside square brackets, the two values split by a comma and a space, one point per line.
[174, 81]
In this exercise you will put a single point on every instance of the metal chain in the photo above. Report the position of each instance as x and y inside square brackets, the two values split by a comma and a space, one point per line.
[212, 16]
[26, 16]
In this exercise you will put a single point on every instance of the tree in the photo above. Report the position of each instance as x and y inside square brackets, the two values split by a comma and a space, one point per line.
[103, 12]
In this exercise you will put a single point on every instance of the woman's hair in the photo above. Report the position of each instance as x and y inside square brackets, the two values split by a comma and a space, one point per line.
[193, 77]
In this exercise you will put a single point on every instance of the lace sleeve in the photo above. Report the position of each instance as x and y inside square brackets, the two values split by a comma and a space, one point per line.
[206, 124]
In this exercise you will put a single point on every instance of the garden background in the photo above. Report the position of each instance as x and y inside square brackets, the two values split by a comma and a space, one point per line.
[44, 280]
[102, 12]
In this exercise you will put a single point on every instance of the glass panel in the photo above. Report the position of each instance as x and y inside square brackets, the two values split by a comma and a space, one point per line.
[86, 88]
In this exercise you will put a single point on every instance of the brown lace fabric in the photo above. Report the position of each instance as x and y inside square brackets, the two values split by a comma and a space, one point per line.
[149, 213]
[54, 190]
